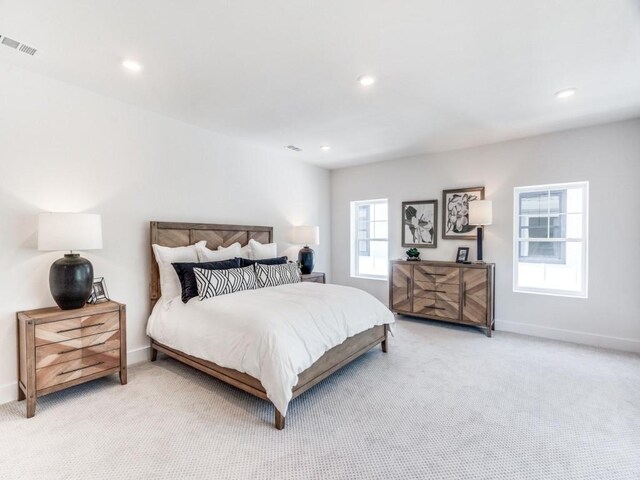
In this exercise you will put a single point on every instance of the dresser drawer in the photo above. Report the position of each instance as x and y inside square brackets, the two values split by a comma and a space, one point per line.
[61, 352]
[446, 309]
[63, 330]
[74, 369]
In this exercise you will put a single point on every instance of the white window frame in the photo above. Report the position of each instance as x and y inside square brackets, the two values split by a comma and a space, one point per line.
[583, 293]
[355, 250]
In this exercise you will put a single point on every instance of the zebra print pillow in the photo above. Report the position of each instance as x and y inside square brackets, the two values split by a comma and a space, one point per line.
[274, 275]
[212, 283]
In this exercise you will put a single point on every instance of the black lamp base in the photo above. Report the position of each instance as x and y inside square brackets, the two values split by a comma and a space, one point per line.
[480, 239]
[305, 259]
[70, 281]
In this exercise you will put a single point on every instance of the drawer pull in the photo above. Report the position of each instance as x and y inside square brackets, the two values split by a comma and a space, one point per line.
[80, 328]
[81, 348]
[81, 368]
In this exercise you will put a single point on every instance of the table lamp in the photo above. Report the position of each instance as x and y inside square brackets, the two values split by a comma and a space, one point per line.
[71, 277]
[480, 214]
[306, 235]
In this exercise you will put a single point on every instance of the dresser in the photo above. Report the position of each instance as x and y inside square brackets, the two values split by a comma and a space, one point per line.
[58, 348]
[448, 291]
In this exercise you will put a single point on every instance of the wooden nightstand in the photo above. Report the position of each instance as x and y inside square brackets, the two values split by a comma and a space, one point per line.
[317, 277]
[58, 349]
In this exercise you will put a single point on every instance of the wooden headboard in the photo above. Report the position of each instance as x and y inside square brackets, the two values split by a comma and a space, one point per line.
[175, 234]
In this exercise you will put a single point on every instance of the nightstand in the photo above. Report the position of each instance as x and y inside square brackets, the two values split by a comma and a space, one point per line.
[58, 348]
[317, 277]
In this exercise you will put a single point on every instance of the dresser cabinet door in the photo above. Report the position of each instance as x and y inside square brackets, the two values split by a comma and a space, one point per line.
[401, 287]
[474, 296]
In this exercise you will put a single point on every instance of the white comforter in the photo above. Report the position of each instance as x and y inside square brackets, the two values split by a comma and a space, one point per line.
[272, 334]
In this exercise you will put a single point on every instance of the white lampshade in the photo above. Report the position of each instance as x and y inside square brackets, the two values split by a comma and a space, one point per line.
[306, 235]
[480, 212]
[69, 231]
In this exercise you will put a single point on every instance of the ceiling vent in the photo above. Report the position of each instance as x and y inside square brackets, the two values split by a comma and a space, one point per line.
[294, 148]
[21, 47]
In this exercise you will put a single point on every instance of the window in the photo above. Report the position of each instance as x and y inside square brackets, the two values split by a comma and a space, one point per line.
[550, 239]
[369, 239]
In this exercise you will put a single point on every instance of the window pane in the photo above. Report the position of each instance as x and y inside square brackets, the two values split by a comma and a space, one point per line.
[537, 252]
[380, 230]
[574, 225]
[557, 201]
[380, 212]
[575, 197]
[533, 203]
[557, 226]
[377, 262]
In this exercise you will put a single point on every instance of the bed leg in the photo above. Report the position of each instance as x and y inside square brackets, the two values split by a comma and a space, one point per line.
[154, 354]
[279, 420]
[383, 344]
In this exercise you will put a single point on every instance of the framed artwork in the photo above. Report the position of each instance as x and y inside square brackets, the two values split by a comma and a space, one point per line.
[455, 212]
[462, 255]
[99, 292]
[420, 224]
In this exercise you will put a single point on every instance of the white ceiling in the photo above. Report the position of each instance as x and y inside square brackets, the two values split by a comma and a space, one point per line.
[450, 74]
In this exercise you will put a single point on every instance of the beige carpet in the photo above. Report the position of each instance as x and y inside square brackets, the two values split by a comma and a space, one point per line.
[445, 402]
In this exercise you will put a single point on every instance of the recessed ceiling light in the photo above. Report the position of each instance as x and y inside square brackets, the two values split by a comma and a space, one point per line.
[366, 80]
[325, 148]
[566, 93]
[131, 65]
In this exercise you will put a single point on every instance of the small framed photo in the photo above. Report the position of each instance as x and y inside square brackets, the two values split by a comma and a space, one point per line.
[420, 224]
[463, 255]
[99, 292]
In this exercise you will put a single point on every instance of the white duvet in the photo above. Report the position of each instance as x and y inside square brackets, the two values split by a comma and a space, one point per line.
[272, 334]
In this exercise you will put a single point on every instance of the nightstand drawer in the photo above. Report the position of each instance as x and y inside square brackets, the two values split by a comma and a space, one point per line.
[82, 367]
[61, 352]
[63, 330]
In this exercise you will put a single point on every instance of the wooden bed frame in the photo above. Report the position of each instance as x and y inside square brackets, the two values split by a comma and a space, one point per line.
[172, 234]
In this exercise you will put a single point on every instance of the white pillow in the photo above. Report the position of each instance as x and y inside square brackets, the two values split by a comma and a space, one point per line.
[223, 253]
[245, 252]
[260, 251]
[165, 256]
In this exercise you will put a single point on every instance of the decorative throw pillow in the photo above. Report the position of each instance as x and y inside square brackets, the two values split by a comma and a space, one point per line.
[260, 251]
[165, 256]
[212, 283]
[223, 253]
[188, 278]
[274, 275]
[244, 262]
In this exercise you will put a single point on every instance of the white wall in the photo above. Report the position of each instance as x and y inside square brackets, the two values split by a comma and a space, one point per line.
[608, 156]
[65, 149]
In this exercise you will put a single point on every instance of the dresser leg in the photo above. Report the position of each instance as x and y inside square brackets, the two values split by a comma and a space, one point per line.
[123, 375]
[31, 405]
[488, 332]
[21, 395]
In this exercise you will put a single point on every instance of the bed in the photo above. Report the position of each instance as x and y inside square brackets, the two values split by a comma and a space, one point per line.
[187, 347]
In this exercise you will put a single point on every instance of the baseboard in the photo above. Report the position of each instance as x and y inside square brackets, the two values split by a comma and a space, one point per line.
[9, 392]
[573, 336]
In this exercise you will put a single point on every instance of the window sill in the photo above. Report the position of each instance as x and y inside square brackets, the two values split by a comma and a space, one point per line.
[371, 277]
[552, 293]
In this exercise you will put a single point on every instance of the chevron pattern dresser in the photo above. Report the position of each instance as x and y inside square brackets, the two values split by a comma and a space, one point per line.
[452, 292]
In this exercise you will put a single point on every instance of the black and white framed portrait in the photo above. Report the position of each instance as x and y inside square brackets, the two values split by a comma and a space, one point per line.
[420, 224]
[455, 212]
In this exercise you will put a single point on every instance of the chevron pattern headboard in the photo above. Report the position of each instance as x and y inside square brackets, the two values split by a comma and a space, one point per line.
[176, 234]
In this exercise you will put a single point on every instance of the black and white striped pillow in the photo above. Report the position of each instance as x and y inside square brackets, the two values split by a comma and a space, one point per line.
[274, 275]
[212, 283]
